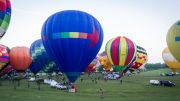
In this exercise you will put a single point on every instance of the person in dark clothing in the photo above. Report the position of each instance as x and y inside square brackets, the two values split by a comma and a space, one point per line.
[81, 79]
[121, 81]
[101, 93]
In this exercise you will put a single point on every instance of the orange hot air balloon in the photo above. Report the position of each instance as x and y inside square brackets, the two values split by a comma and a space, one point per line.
[20, 58]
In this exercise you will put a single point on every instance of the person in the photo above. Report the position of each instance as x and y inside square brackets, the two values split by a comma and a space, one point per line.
[69, 88]
[92, 81]
[96, 81]
[81, 79]
[76, 89]
[98, 78]
[101, 93]
[95, 78]
[121, 81]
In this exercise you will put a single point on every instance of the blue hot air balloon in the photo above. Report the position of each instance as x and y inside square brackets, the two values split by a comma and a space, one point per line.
[34, 68]
[72, 39]
[41, 58]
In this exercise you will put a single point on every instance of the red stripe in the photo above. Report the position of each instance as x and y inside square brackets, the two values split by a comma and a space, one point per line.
[3, 6]
[130, 55]
[114, 51]
[8, 4]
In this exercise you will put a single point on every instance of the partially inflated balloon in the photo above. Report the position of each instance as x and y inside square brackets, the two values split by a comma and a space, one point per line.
[105, 63]
[170, 61]
[173, 40]
[3, 59]
[9, 69]
[91, 65]
[142, 67]
[20, 58]
[2, 70]
[72, 39]
[141, 58]
[120, 51]
[5, 16]
[41, 58]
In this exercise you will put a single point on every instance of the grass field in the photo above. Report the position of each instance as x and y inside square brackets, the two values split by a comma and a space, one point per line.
[134, 88]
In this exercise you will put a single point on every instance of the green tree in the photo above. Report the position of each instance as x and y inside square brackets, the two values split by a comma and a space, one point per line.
[15, 79]
[39, 81]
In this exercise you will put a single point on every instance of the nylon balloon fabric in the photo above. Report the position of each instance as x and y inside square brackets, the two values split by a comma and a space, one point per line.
[41, 58]
[141, 58]
[5, 16]
[72, 39]
[34, 68]
[3, 59]
[9, 69]
[130, 65]
[5, 66]
[120, 52]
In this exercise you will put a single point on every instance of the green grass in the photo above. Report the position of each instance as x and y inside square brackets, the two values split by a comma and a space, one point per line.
[134, 88]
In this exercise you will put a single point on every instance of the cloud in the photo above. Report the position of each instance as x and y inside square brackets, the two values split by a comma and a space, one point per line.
[23, 11]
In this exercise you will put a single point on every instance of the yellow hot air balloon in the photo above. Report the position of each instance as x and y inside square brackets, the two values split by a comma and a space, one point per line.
[173, 40]
[170, 61]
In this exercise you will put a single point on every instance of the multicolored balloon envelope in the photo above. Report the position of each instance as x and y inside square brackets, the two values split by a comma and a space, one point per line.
[20, 58]
[5, 16]
[104, 61]
[34, 68]
[142, 67]
[173, 40]
[121, 51]
[3, 59]
[41, 58]
[9, 69]
[170, 61]
[141, 58]
[91, 65]
[130, 65]
[72, 39]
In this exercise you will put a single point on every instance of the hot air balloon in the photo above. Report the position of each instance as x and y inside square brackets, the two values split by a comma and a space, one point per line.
[173, 40]
[141, 58]
[20, 59]
[72, 39]
[2, 70]
[103, 60]
[91, 65]
[5, 16]
[3, 59]
[41, 58]
[9, 69]
[34, 68]
[120, 51]
[170, 61]
[142, 67]
[130, 65]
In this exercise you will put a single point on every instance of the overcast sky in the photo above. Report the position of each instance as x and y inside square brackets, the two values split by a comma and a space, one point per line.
[146, 22]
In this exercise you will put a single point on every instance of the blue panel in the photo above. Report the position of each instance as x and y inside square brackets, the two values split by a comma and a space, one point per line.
[74, 26]
[56, 35]
[8, 11]
[34, 68]
[178, 23]
[2, 14]
[177, 38]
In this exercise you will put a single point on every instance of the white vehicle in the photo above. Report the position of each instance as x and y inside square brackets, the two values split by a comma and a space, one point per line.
[47, 81]
[53, 84]
[154, 82]
[32, 79]
[60, 86]
[112, 76]
[161, 74]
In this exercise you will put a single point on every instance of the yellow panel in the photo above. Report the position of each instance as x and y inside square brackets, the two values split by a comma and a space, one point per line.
[108, 48]
[74, 34]
[173, 45]
[123, 51]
